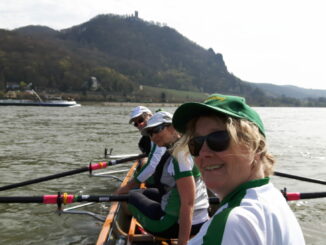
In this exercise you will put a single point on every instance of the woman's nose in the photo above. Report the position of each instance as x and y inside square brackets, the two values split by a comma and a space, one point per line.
[205, 150]
[141, 125]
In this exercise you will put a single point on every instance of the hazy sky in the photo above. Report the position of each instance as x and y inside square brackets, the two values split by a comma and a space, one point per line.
[276, 41]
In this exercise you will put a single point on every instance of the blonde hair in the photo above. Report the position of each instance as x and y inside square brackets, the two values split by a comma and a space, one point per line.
[241, 131]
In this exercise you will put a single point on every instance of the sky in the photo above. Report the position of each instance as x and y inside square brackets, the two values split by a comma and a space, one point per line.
[282, 42]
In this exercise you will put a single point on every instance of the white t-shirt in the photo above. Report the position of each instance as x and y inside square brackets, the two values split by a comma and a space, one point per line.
[153, 160]
[256, 213]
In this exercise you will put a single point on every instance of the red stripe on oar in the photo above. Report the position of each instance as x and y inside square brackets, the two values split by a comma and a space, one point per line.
[99, 165]
[293, 196]
[52, 199]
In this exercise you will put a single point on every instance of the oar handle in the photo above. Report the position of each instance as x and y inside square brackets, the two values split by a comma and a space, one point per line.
[127, 159]
[214, 200]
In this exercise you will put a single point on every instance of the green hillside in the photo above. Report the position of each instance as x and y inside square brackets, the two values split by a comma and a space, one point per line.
[123, 53]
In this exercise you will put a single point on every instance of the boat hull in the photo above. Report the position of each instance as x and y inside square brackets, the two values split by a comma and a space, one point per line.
[51, 103]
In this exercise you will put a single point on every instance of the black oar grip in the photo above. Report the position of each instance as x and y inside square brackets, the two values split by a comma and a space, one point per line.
[110, 198]
[310, 195]
[127, 159]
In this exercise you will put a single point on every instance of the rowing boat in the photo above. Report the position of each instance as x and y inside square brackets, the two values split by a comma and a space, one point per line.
[121, 228]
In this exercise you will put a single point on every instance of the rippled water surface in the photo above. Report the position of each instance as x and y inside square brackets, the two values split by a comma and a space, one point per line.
[36, 142]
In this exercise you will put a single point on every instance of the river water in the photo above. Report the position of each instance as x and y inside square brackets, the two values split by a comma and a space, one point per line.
[40, 141]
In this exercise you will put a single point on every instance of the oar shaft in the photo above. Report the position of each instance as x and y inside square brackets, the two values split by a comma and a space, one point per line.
[91, 167]
[35, 199]
[299, 178]
[38, 180]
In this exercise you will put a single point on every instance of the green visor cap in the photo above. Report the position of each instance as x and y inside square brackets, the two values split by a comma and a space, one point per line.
[233, 106]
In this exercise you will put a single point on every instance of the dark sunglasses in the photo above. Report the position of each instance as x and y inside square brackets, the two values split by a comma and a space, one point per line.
[139, 121]
[156, 129]
[216, 141]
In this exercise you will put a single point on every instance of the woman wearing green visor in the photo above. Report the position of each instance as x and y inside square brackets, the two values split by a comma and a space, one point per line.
[226, 138]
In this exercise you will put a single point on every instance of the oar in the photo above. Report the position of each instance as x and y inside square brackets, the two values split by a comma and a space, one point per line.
[63, 199]
[299, 178]
[289, 196]
[66, 198]
[308, 195]
[89, 168]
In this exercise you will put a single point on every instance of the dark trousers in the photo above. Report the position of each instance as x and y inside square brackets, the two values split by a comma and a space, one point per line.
[148, 201]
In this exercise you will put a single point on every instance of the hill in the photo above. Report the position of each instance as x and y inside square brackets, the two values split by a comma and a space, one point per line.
[157, 55]
[40, 31]
[124, 53]
[275, 91]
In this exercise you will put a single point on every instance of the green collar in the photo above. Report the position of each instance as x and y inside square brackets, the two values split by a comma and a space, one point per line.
[244, 187]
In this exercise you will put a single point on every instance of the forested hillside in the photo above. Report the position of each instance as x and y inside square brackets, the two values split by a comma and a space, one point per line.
[123, 53]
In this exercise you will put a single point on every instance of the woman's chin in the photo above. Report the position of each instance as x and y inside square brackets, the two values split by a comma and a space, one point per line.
[213, 182]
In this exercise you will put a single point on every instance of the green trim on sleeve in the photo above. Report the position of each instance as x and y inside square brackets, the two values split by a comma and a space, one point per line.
[183, 174]
[196, 172]
[178, 173]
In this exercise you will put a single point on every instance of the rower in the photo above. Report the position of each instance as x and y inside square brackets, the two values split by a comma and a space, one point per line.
[227, 140]
[178, 206]
[139, 117]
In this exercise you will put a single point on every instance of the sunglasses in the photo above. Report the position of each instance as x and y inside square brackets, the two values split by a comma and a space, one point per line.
[156, 129]
[139, 121]
[216, 141]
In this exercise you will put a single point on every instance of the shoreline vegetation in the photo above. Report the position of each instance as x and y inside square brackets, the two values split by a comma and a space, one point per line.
[145, 94]
[118, 58]
[133, 104]
[152, 95]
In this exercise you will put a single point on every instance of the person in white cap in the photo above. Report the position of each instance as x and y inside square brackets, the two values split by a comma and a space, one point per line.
[178, 206]
[139, 117]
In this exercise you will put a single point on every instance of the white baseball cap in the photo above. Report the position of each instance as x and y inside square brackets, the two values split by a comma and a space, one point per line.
[157, 119]
[137, 111]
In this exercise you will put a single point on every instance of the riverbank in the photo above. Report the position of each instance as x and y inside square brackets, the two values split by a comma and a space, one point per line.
[146, 94]
[130, 104]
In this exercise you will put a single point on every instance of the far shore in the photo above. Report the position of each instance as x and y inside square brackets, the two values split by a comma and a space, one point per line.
[155, 104]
